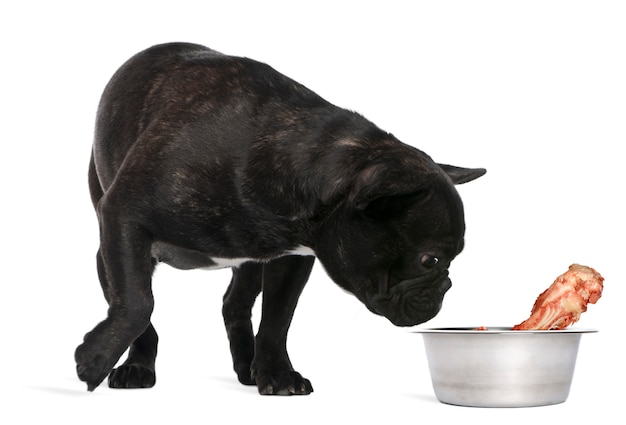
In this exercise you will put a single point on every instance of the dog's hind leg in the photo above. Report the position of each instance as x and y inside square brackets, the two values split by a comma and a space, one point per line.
[239, 299]
[124, 258]
[95, 189]
[138, 370]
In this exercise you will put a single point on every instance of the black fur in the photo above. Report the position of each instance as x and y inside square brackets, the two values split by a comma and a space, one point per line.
[200, 156]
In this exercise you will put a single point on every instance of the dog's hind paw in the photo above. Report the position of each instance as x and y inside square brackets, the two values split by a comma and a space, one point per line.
[133, 375]
[93, 371]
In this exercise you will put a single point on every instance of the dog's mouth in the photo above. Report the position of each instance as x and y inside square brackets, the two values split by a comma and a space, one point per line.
[410, 302]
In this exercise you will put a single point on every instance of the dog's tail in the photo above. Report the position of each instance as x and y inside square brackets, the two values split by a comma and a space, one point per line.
[95, 188]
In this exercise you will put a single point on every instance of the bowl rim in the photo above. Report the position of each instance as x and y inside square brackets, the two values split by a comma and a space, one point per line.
[498, 330]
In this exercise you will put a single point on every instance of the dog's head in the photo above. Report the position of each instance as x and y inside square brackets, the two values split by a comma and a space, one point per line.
[391, 240]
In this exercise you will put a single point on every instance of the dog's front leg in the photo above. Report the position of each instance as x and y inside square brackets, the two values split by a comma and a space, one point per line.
[125, 250]
[283, 281]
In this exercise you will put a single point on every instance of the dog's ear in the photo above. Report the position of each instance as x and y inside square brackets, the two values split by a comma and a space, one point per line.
[380, 191]
[460, 175]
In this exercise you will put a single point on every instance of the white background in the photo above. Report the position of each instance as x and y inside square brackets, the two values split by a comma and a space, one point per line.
[534, 91]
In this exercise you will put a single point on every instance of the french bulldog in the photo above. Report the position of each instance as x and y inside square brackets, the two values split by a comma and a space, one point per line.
[203, 160]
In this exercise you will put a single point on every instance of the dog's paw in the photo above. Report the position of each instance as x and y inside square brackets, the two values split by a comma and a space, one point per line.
[133, 375]
[283, 383]
[91, 368]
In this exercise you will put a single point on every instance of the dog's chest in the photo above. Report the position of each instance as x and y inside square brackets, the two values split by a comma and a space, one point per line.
[186, 259]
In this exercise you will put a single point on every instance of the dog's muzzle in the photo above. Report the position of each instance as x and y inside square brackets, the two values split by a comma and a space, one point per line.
[413, 301]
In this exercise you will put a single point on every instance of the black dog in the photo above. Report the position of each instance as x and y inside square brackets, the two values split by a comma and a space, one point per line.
[203, 160]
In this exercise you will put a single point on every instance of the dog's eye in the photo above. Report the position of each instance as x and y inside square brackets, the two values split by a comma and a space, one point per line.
[429, 261]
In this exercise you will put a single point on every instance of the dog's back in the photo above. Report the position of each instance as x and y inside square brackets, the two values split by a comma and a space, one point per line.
[175, 102]
[140, 96]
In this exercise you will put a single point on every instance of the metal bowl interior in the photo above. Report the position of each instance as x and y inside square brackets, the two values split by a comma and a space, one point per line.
[500, 367]
[500, 330]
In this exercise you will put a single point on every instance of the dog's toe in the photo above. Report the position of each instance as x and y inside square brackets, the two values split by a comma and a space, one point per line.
[132, 376]
[284, 383]
[91, 369]
[92, 376]
[244, 375]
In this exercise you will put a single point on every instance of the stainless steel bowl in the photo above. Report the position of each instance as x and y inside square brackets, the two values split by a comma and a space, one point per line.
[499, 367]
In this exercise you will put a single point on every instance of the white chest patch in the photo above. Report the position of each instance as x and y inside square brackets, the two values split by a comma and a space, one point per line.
[301, 250]
[222, 263]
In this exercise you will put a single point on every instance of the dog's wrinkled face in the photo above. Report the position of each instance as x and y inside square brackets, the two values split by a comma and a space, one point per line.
[393, 252]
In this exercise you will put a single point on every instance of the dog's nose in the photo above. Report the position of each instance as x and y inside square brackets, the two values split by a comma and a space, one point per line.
[446, 284]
